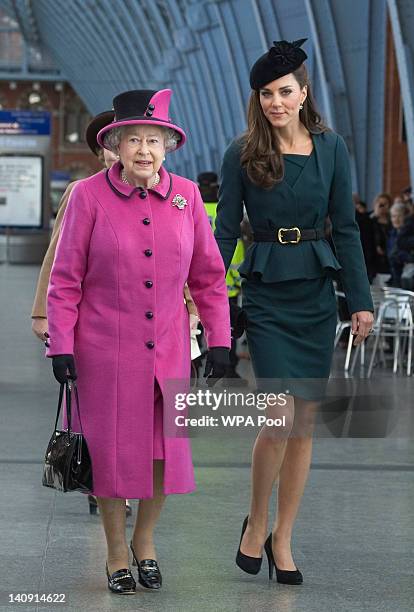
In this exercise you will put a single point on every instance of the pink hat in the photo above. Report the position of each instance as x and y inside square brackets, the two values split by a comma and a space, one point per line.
[142, 106]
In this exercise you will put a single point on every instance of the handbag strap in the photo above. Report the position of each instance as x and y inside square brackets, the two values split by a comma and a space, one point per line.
[60, 400]
[66, 388]
[75, 389]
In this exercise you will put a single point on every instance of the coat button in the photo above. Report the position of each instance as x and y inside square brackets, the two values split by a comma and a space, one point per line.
[150, 344]
[148, 284]
[142, 195]
[149, 314]
[151, 107]
[148, 252]
[146, 221]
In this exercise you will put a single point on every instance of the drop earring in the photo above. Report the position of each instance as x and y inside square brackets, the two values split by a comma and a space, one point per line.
[300, 106]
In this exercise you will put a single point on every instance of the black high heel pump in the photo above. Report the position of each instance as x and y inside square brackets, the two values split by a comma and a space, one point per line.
[251, 565]
[282, 576]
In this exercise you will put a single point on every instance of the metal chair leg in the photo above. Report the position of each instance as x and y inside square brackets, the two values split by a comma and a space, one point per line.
[348, 352]
[374, 352]
[403, 348]
[355, 358]
[396, 353]
[410, 351]
[338, 334]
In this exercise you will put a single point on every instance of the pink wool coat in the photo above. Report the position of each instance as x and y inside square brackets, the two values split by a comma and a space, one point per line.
[115, 301]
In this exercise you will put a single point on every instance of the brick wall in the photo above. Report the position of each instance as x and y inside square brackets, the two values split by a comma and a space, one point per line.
[396, 170]
[76, 159]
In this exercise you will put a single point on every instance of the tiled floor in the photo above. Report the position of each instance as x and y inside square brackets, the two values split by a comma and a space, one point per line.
[353, 540]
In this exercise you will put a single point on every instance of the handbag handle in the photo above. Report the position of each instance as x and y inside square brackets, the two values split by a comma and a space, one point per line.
[66, 388]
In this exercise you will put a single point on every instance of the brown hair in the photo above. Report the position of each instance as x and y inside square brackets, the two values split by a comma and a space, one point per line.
[260, 153]
[384, 196]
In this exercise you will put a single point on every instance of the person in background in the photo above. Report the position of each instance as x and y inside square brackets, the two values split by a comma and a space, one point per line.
[208, 185]
[405, 246]
[407, 197]
[366, 233]
[39, 314]
[381, 224]
[399, 249]
[360, 206]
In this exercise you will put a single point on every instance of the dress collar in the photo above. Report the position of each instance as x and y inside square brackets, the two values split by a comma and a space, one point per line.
[113, 177]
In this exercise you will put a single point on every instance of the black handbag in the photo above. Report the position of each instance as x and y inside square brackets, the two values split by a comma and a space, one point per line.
[68, 465]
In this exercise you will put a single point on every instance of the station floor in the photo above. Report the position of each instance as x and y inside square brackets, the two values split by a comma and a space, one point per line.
[353, 540]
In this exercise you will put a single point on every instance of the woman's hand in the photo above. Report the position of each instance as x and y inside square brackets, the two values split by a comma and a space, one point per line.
[40, 328]
[64, 368]
[217, 362]
[362, 323]
[194, 321]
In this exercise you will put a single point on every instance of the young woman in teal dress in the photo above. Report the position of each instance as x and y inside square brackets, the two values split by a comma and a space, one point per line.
[291, 172]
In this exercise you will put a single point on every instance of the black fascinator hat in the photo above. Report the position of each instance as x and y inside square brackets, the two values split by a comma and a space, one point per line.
[283, 58]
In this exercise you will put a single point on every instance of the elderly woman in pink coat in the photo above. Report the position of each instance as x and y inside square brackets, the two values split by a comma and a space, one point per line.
[132, 236]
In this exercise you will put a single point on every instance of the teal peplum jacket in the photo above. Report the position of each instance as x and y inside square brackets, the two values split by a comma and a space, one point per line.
[323, 187]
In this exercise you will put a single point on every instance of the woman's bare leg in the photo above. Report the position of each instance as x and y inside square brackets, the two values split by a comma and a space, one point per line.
[268, 452]
[149, 511]
[292, 480]
[112, 512]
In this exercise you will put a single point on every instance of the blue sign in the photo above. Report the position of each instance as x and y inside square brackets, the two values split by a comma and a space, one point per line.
[60, 175]
[15, 122]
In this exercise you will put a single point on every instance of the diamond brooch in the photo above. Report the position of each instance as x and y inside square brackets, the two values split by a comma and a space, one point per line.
[179, 201]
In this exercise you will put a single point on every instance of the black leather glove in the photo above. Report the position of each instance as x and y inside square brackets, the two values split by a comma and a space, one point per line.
[61, 365]
[238, 321]
[217, 362]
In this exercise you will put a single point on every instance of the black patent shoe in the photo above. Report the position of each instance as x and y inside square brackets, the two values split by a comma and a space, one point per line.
[149, 575]
[251, 565]
[93, 504]
[121, 582]
[282, 576]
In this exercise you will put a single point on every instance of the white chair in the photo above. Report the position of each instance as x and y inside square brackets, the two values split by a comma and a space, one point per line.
[377, 294]
[340, 327]
[395, 320]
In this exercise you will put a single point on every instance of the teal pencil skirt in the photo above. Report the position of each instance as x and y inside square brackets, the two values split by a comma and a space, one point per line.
[290, 331]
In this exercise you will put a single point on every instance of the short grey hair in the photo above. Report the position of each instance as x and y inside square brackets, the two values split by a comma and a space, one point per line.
[113, 137]
[399, 207]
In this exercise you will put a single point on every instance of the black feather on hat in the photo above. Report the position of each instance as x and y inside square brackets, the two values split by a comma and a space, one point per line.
[281, 59]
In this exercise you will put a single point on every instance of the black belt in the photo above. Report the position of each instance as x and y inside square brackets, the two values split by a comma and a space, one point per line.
[289, 235]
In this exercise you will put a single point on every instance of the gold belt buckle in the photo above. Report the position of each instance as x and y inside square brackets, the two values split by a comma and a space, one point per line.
[288, 229]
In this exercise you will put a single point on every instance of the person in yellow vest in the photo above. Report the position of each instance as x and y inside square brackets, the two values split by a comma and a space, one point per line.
[208, 185]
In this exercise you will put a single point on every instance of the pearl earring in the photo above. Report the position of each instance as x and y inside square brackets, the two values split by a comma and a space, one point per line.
[300, 106]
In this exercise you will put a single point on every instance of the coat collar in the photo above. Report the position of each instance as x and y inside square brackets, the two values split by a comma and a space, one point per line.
[113, 177]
